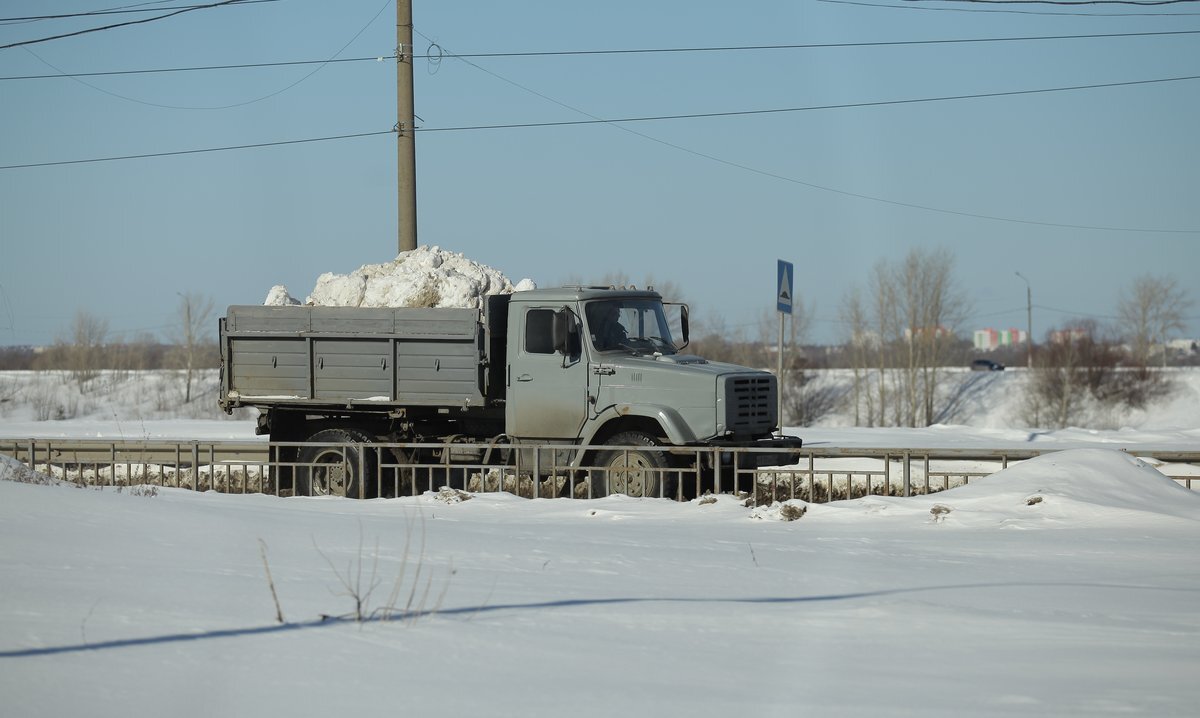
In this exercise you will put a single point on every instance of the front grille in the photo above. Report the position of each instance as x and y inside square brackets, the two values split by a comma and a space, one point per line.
[750, 404]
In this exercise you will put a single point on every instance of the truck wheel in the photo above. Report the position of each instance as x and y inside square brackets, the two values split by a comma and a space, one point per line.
[630, 471]
[323, 472]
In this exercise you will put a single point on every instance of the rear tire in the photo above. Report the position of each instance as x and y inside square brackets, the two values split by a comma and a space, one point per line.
[326, 470]
[631, 471]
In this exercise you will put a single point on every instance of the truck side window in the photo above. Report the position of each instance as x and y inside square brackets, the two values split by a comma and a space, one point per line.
[539, 331]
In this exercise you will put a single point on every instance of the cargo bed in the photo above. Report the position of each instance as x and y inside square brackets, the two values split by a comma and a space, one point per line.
[347, 356]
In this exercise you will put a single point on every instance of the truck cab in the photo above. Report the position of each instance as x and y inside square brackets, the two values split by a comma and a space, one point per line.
[588, 365]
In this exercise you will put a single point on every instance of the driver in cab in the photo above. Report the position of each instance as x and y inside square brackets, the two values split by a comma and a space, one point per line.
[606, 329]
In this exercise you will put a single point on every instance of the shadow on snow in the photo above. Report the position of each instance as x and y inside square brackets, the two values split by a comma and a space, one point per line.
[538, 605]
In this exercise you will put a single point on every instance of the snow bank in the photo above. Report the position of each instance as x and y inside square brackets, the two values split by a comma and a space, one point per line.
[13, 470]
[8, 467]
[1084, 483]
[423, 277]
[1067, 489]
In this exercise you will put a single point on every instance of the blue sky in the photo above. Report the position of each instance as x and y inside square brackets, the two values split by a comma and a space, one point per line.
[1080, 191]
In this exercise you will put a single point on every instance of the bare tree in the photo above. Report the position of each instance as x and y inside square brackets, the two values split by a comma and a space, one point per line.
[853, 315]
[915, 308]
[870, 323]
[887, 322]
[1075, 364]
[1149, 312]
[935, 307]
[1078, 372]
[82, 350]
[192, 336]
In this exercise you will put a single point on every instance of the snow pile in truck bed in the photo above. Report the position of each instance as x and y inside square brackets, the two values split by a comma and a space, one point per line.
[279, 297]
[423, 277]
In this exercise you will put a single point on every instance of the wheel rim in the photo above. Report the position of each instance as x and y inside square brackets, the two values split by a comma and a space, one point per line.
[631, 473]
[329, 473]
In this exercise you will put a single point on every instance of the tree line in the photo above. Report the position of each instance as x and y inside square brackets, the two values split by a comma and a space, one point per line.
[86, 348]
[901, 333]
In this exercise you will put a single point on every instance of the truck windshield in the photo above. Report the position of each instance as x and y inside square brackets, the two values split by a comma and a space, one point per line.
[637, 325]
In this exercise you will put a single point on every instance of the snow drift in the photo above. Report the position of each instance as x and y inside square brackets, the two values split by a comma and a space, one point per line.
[1065, 489]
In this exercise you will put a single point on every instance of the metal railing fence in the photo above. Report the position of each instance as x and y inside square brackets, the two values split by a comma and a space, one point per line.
[820, 474]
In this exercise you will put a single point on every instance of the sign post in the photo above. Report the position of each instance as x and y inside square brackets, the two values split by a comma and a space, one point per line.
[783, 302]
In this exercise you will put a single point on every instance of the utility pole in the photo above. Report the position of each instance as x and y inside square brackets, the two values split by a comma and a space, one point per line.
[406, 137]
[1028, 319]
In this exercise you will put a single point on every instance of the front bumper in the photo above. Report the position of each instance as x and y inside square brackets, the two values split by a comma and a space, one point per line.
[773, 451]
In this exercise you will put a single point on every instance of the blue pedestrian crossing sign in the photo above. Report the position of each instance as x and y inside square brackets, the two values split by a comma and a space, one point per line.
[783, 282]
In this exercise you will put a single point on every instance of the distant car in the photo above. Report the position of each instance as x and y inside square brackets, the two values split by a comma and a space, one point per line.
[986, 365]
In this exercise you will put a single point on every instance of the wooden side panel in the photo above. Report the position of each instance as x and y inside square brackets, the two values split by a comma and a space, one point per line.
[398, 356]
[351, 320]
[433, 372]
[346, 369]
[269, 367]
[273, 320]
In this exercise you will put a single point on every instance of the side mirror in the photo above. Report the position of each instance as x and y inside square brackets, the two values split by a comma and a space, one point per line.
[564, 327]
[683, 321]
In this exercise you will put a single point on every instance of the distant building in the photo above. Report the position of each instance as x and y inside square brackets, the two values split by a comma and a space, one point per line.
[990, 339]
[867, 338]
[935, 332]
[1065, 336]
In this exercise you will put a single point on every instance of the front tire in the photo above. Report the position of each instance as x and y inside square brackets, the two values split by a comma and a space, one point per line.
[325, 469]
[633, 472]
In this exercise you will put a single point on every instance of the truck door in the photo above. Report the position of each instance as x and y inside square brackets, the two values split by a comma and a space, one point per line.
[547, 389]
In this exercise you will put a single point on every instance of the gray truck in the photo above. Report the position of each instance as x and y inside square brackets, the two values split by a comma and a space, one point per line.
[593, 373]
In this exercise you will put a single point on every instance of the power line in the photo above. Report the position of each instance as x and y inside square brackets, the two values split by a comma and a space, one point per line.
[124, 10]
[1012, 12]
[1092, 315]
[1064, 2]
[320, 66]
[121, 24]
[805, 46]
[197, 151]
[563, 53]
[985, 315]
[1073, 313]
[199, 68]
[612, 122]
[809, 108]
[722, 161]
[792, 180]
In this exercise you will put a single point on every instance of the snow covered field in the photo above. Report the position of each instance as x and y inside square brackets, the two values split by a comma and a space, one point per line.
[1066, 585]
